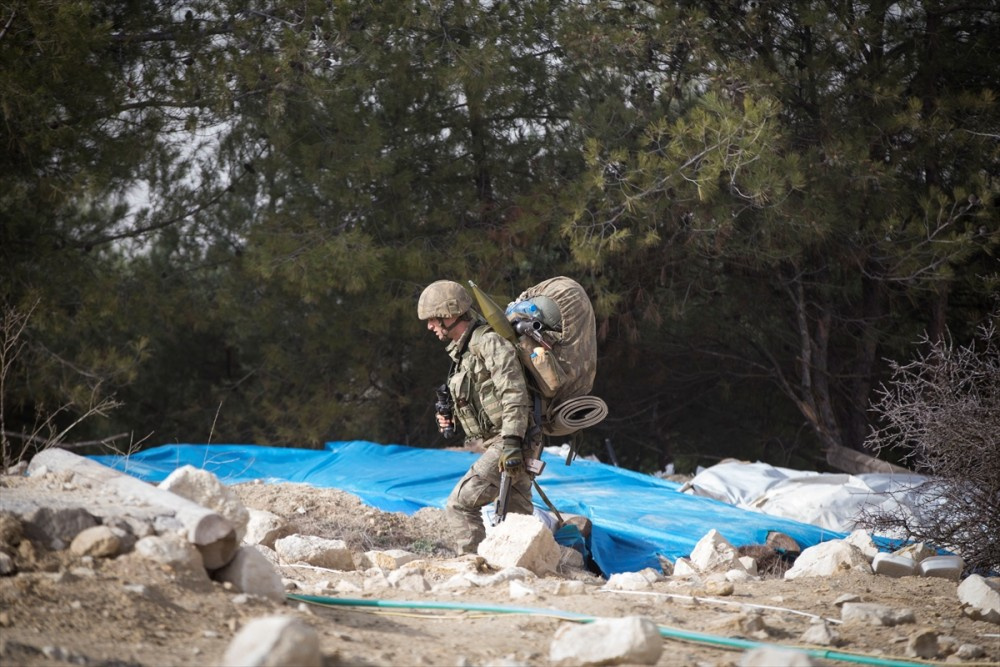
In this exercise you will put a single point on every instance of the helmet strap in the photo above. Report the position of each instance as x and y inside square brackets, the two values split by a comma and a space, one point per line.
[446, 327]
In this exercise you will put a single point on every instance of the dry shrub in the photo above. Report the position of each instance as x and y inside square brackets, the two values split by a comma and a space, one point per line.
[941, 414]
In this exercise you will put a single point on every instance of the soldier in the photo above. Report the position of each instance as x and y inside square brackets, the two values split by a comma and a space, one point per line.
[491, 403]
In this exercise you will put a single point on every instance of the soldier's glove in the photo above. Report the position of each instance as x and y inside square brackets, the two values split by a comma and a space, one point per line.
[511, 458]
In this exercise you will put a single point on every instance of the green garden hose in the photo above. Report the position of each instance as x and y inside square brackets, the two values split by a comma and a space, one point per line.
[669, 633]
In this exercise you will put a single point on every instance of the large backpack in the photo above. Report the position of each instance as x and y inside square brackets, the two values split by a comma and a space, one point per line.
[565, 374]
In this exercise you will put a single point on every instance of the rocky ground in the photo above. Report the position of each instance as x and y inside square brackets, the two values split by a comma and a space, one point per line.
[57, 608]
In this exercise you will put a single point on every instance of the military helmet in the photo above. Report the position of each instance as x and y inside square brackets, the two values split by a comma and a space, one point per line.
[540, 308]
[549, 312]
[444, 299]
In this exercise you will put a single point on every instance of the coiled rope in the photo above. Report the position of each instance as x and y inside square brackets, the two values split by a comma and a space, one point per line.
[575, 414]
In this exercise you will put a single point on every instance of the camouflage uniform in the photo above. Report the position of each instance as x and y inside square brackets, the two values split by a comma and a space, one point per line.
[491, 401]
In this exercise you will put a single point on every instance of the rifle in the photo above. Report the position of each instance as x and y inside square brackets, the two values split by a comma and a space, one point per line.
[533, 467]
[443, 408]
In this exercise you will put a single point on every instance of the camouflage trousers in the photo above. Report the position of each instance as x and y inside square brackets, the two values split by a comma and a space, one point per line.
[479, 487]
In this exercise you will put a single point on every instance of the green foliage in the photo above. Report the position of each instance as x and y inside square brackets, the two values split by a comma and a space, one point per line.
[226, 213]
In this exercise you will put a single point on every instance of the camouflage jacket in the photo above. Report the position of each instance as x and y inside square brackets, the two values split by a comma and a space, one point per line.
[487, 385]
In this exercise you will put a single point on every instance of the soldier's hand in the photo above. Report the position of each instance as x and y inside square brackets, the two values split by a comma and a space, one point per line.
[511, 458]
[444, 423]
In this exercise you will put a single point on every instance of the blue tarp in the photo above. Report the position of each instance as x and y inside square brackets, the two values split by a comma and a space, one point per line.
[636, 518]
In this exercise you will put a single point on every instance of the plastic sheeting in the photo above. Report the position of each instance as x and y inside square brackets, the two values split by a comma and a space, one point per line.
[830, 500]
[636, 519]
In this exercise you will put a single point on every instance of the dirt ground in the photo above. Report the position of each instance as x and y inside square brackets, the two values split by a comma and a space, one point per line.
[59, 609]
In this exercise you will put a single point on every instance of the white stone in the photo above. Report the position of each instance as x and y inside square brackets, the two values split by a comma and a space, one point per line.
[171, 550]
[524, 541]
[202, 487]
[863, 541]
[740, 576]
[917, 551]
[570, 559]
[829, 558]
[772, 656]
[571, 587]
[98, 541]
[457, 582]
[176, 553]
[749, 565]
[870, 613]
[250, 572]
[313, 550]
[375, 583]
[391, 559]
[607, 641]
[408, 580]
[7, 565]
[713, 552]
[501, 577]
[264, 528]
[923, 644]
[345, 586]
[684, 568]
[627, 581]
[981, 598]
[273, 641]
[820, 633]
[520, 590]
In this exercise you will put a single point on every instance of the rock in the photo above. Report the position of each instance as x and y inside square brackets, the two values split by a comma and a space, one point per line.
[174, 552]
[274, 641]
[170, 550]
[99, 542]
[11, 530]
[55, 528]
[408, 580]
[570, 559]
[846, 597]
[869, 613]
[772, 656]
[627, 581]
[923, 644]
[820, 633]
[739, 576]
[980, 598]
[523, 541]
[264, 528]
[375, 582]
[7, 565]
[749, 565]
[501, 577]
[457, 582]
[318, 551]
[392, 559]
[970, 651]
[828, 558]
[782, 543]
[607, 641]
[684, 568]
[346, 587]
[202, 487]
[719, 588]
[519, 590]
[863, 541]
[917, 552]
[250, 572]
[270, 554]
[569, 588]
[713, 552]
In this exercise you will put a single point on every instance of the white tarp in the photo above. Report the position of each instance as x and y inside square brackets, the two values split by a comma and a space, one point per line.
[828, 500]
